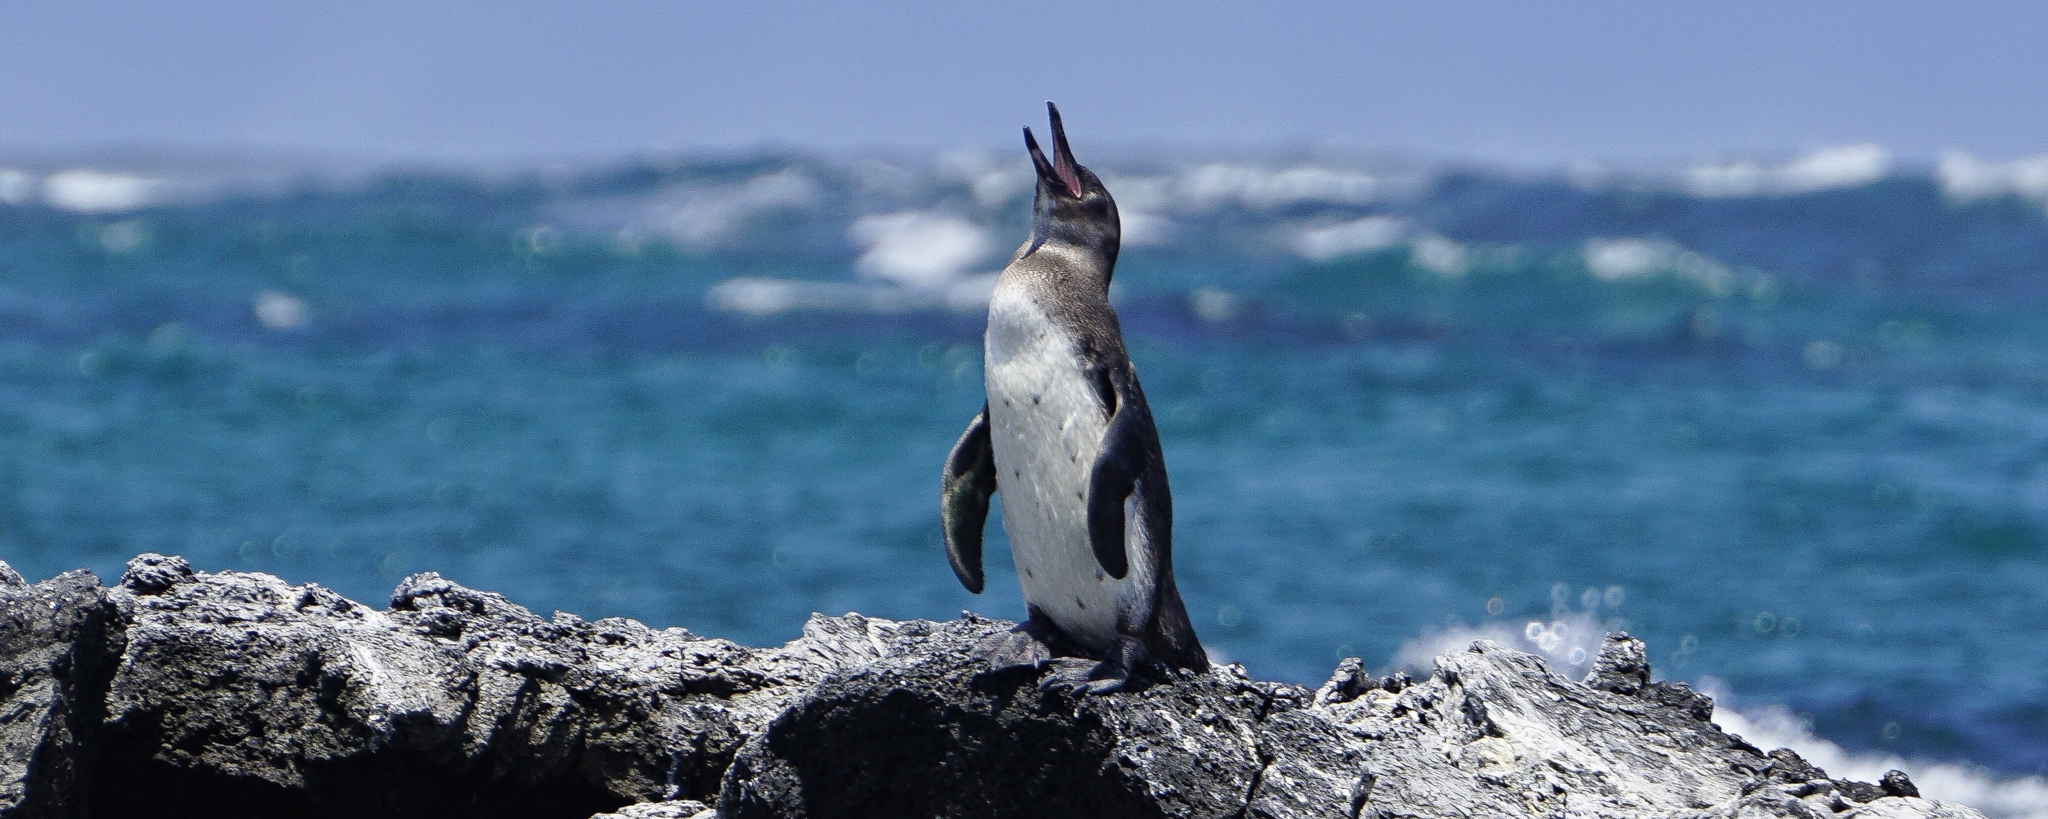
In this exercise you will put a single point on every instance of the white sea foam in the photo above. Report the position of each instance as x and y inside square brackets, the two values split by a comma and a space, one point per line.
[1208, 186]
[83, 190]
[1567, 640]
[1965, 178]
[764, 297]
[1428, 251]
[920, 249]
[1439, 255]
[1322, 243]
[705, 216]
[1841, 166]
[1630, 258]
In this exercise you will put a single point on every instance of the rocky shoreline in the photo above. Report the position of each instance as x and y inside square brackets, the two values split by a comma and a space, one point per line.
[180, 693]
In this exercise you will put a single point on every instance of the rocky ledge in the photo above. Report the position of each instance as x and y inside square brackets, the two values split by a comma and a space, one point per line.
[179, 693]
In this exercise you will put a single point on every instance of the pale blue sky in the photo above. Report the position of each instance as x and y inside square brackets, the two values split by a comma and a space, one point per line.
[1520, 82]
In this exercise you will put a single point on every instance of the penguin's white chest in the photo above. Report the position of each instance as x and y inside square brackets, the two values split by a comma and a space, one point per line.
[1046, 424]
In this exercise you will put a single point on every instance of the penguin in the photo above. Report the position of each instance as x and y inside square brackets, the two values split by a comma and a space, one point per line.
[1066, 439]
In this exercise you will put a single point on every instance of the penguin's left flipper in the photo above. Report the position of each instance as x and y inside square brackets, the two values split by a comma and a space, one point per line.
[1127, 447]
[964, 491]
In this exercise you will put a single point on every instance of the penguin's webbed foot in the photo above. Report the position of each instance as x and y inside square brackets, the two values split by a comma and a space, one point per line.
[1027, 645]
[1120, 672]
[1075, 677]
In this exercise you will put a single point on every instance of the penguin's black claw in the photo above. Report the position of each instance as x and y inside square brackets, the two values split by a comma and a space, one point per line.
[1080, 677]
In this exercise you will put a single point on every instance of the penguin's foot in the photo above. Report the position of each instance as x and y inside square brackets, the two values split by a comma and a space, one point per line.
[1022, 646]
[1077, 677]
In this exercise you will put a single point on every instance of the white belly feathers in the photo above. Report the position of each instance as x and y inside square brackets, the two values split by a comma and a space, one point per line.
[1046, 426]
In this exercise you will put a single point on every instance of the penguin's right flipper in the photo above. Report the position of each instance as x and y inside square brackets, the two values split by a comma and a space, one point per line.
[969, 481]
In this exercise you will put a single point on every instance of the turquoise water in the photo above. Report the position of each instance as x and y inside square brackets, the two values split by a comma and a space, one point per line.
[1794, 440]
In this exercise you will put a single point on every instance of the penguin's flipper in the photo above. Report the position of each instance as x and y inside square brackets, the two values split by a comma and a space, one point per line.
[969, 481]
[1115, 475]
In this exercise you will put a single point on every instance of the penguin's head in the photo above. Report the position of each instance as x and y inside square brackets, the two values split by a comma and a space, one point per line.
[1072, 204]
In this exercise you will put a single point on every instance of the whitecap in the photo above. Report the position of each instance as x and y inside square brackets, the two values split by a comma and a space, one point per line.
[1322, 243]
[1631, 258]
[706, 216]
[758, 297]
[1965, 178]
[83, 190]
[1211, 185]
[1439, 255]
[1830, 168]
[924, 249]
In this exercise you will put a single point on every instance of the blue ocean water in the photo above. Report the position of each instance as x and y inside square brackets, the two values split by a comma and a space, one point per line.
[1787, 428]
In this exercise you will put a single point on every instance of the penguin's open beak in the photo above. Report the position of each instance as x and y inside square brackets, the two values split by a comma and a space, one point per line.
[1061, 166]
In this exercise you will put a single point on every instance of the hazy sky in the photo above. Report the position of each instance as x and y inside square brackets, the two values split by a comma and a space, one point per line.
[1530, 82]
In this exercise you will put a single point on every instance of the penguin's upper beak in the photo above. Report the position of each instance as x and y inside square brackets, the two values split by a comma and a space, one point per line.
[1061, 167]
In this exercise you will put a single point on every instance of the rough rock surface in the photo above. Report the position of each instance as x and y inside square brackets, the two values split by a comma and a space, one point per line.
[230, 694]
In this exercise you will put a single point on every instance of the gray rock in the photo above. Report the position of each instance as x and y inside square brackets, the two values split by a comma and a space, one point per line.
[186, 693]
[266, 692]
[56, 640]
[152, 573]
